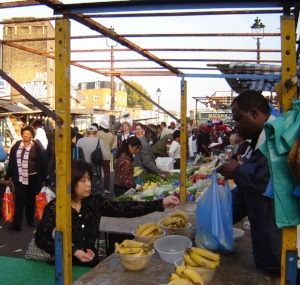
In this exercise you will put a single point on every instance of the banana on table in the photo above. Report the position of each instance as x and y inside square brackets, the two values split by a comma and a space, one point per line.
[177, 219]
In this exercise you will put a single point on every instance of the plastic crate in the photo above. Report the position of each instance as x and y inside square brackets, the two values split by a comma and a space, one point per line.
[165, 163]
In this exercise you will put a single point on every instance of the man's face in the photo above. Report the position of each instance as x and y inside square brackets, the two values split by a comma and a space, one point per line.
[246, 123]
[172, 127]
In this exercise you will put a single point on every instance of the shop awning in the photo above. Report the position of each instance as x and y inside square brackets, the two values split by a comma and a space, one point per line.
[238, 85]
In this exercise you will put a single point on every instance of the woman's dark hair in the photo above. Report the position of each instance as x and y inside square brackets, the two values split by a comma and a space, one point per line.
[96, 125]
[78, 169]
[176, 134]
[252, 99]
[124, 147]
[28, 128]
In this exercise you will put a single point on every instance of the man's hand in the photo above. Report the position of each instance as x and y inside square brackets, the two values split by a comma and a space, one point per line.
[84, 256]
[166, 173]
[227, 168]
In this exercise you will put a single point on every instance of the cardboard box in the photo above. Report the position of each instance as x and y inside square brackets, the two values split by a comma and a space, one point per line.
[165, 163]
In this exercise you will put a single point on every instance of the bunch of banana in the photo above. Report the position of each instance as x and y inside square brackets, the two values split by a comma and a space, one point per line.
[132, 247]
[185, 276]
[137, 171]
[195, 258]
[177, 219]
[149, 229]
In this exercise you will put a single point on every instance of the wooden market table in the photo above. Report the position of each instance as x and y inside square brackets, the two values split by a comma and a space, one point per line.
[114, 227]
[235, 268]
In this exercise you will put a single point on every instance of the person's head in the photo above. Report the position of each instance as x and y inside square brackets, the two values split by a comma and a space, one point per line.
[151, 132]
[207, 129]
[250, 110]
[125, 127]
[104, 125]
[27, 133]
[139, 129]
[172, 125]
[92, 131]
[239, 139]
[81, 174]
[73, 136]
[96, 125]
[75, 129]
[232, 139]
[176, 135]
[129, 146]
[37, 124]
[163, 125]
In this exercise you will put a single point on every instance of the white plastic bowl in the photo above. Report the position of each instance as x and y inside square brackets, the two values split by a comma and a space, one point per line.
[177, 231]
[238, 234]
[135, 263]
[146, 239]
[171, 248]
[206, 273]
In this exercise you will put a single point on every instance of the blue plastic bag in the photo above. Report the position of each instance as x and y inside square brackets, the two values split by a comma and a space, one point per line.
[214, 218]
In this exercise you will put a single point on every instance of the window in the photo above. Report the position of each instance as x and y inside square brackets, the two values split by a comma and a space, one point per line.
[83, 86]
[96, 98]
[87, 97]
[82, 98]
[97, 85]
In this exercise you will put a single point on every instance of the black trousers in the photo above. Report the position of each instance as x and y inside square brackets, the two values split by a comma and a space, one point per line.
[266, 236]
[25, 198]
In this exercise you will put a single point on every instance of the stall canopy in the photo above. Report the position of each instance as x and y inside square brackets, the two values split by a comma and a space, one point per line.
[238, 85]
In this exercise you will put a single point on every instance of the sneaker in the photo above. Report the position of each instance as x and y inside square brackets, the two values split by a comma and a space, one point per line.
[106, 192]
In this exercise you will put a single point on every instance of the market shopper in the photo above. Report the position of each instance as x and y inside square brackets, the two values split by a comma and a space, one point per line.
[250, 110]
[174, 150]
[27, 169]
[125, 133]
[139, 130]
[88, 145]
[108, 139]
[203, 140]
[164, 130]
[86, 213]
[124, 179]
[160, 147]
[145, 158]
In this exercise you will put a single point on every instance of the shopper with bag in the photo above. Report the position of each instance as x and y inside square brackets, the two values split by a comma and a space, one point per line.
[250, 111]
[86, 213]
[89, 144]
[27, 169]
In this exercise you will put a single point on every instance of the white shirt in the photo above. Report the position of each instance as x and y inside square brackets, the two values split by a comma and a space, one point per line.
[40, 135]
[174, 151]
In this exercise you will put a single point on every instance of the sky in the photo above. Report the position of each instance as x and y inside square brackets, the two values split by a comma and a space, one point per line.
[170, 86]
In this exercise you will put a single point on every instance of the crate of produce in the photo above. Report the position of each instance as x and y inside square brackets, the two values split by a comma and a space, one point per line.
[165, 163]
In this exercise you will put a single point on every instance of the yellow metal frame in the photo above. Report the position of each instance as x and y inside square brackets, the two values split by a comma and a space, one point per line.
[63, 145]
[183, 140]
[289, 69]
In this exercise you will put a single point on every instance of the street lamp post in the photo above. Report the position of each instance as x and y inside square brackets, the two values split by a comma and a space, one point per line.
[258, 28]
[112, 44]
[158, 94]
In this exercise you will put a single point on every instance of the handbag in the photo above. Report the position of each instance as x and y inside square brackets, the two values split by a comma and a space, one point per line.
[41, 202]
[96, 155]
[35, 253]
[214, 218]
[8, 206]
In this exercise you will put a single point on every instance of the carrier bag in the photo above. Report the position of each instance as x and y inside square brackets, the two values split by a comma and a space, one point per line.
[41, 202]
[214, 218]
[8, 206]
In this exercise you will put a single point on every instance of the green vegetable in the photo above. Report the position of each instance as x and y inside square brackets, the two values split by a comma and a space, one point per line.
[123, 198]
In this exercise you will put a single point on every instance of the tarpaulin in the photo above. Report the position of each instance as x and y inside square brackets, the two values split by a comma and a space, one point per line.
[280, 136]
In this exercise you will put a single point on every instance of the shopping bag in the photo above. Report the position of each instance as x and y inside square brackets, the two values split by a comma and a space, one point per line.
[8, 206]
[41, 202]
[214, 218]
[50, 195]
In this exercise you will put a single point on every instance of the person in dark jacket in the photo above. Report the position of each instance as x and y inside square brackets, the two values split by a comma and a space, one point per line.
[87, 210]
[250, 111]
[27, 169]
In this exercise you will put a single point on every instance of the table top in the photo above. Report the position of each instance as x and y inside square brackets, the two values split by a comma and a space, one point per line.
[127, 225]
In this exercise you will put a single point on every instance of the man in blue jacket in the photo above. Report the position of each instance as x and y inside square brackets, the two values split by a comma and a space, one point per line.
[250, 110]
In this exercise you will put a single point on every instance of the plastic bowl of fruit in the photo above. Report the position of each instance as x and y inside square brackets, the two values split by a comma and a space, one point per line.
[150, 240]
[207, 274]
[183, 231]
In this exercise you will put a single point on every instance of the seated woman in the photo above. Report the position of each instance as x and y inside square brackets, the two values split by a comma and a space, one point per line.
[124, 179]
[87, 210]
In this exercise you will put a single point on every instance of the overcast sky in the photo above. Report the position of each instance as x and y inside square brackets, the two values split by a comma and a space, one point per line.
[170, 86]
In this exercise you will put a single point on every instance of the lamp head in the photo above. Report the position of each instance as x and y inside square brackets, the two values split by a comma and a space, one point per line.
[258, 28]
[158, 92]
